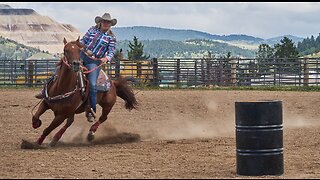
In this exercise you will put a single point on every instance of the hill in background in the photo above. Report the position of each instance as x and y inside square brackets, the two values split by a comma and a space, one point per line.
[32, 29]
[157, 33]
[162, 42]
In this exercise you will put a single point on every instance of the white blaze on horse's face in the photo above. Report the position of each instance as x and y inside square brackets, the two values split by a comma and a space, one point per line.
[72, 53]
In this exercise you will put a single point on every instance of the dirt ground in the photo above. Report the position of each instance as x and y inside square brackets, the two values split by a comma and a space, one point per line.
[173, 134]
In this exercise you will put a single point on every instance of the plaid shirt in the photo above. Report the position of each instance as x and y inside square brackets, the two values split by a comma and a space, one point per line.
[101, 44]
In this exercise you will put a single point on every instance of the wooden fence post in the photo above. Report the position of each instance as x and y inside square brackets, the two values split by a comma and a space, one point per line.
[30, 73]
[195, 73]
[155, 72]
[139, 71]
[117, 68]
[209, 75]
[178, 70]
[203, 73]
[233, 72]
[274, 71]
[305, 73]
[220, 72]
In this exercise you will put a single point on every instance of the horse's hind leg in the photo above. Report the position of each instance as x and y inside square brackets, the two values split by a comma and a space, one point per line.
[59, 134]
[54, 124]
[94, 127]
[36, 122]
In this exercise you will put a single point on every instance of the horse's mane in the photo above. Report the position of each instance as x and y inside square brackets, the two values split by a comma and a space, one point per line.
[60, 61]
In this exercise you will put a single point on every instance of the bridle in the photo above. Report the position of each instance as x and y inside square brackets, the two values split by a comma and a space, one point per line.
[75, 66]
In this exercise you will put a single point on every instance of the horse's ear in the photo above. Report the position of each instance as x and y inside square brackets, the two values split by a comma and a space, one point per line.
[64, 41]
[79, 43]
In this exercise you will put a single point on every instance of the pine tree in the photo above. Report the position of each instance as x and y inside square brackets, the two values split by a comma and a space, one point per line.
[136, 50]
[286, 49]
[288, 55]
[264, 51]
[264, 56]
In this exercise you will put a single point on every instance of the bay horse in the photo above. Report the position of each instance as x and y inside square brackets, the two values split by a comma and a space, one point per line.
[68, 94]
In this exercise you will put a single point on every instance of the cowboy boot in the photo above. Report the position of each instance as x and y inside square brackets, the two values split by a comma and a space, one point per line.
[91, 115]
[40, 95]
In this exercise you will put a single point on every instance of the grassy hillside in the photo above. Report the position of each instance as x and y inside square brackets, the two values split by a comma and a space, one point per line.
[10, 49]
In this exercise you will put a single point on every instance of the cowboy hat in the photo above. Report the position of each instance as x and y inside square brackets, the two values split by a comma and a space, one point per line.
[106, 17]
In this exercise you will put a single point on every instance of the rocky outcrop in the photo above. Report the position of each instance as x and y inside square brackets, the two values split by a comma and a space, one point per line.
[28, 27]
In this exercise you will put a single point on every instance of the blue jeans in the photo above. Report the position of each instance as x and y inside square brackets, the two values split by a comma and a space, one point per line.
[92, 77]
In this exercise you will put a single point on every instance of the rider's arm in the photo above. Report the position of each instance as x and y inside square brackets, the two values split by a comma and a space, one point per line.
[85, 40]
[111, 48]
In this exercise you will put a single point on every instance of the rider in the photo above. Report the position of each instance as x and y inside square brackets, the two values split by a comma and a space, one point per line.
[100, 44]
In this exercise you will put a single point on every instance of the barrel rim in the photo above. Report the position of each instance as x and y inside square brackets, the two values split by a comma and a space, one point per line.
[260, 101]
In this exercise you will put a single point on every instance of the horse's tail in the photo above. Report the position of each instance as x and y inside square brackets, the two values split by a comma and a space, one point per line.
[125, 92]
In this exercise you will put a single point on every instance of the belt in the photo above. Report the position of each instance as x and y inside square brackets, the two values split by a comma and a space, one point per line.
[89, 54]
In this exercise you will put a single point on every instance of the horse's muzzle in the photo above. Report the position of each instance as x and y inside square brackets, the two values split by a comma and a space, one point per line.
[75, 66]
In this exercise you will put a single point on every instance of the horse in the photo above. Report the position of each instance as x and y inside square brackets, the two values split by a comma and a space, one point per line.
[68, 95]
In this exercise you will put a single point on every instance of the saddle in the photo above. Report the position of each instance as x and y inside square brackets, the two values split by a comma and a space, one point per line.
[103, 82]
[103, 85]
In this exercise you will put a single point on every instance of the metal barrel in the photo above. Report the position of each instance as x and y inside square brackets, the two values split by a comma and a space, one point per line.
[259, 138]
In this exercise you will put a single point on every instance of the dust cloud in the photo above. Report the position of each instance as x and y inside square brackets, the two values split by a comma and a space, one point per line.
[195, 124]
[106, 134]
[298, 121]
[212, 119]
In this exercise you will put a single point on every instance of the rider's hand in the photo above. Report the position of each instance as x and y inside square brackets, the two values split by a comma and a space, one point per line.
[104, 60]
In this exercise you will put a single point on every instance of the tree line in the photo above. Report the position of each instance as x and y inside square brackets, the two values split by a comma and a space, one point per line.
[284, 49]
[309, 45]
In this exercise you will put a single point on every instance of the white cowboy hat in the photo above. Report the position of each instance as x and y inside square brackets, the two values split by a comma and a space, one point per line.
[106, 17]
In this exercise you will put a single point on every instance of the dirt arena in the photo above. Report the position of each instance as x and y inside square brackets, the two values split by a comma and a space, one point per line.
[173, 134]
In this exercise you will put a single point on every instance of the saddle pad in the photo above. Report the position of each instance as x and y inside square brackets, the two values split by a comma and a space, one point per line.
[103, 82]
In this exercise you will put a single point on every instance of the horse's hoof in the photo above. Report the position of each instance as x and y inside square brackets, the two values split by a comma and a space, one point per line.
[36, 123]
[90, 136]
[52, 143]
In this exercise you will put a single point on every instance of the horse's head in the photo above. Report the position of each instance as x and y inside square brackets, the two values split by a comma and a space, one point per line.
[71, 52]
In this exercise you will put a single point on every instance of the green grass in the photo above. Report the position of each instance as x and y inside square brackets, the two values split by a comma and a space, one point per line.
[239, 88]
[18, 87]
[230, 88]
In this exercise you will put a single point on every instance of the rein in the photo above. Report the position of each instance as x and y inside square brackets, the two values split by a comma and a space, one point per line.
[89, 71]
[94, 58]
[64, 60]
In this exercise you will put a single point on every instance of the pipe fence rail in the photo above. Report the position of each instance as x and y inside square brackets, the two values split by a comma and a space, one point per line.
[180, 72]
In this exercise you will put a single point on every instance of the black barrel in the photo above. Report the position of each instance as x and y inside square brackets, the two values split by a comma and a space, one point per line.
[259, 138]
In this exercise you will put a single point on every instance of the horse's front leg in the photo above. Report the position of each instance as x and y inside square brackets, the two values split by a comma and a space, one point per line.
[94, 127]
[54, 124]
[36, 122]
[59, 134]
